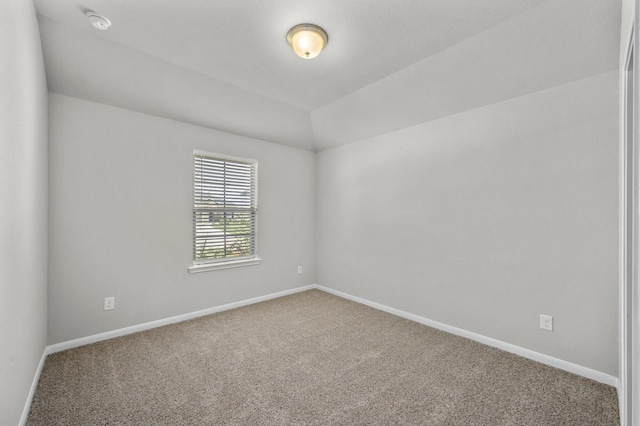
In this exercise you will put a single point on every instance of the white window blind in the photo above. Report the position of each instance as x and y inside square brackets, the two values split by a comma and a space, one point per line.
[224, 208]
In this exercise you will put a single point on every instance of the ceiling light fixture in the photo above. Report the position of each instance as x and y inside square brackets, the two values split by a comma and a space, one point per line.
[98, 21]
[307, 40]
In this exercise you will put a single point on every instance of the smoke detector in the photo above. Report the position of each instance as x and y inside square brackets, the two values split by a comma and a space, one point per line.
[98, 21]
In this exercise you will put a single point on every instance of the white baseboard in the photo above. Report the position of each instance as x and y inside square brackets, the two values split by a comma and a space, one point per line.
[166, 321]
[34, 386]
[526, 353]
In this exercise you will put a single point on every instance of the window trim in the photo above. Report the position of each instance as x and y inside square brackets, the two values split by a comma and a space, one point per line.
[225, 263]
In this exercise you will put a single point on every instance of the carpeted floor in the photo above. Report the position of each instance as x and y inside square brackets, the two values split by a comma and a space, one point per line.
[309, 359]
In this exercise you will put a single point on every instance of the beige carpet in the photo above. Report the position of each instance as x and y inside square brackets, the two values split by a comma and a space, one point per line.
[309, 359]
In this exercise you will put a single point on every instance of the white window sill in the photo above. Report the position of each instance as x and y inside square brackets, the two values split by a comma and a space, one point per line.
[205, 267]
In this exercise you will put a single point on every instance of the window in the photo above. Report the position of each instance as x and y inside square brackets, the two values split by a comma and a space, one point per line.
[225, 212]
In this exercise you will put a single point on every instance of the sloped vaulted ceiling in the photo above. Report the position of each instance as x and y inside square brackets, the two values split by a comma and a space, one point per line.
[388, 65]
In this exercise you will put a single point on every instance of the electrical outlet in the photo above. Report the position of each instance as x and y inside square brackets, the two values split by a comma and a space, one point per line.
[546, 322]
[109, 303]
[299, 269]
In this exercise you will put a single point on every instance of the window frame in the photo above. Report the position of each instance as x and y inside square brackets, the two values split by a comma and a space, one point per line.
[225, 262]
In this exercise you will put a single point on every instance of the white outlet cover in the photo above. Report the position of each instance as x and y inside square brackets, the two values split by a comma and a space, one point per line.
[109, 303]
[546, 322]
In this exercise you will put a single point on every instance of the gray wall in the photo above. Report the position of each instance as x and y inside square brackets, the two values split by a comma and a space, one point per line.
[23, 206]
[120, 219]
[485, 219]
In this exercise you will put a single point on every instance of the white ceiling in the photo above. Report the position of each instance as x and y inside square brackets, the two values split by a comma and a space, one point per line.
[226, 64]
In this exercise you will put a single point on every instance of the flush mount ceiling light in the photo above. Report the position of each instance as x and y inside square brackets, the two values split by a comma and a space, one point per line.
[98, 21]
[307, 40]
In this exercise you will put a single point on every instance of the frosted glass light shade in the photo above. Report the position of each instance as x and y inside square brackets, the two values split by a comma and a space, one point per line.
[307, 40]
